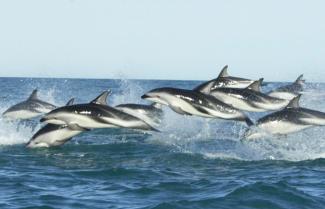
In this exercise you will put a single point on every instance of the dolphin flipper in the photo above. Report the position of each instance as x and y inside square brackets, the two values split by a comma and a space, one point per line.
[76, 127]
[248, 121]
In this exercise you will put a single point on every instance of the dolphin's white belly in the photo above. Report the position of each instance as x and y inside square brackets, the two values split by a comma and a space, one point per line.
[239, 84]
[88, 122]
[224, 115]
[254, 134]
[282, 127]
[22, 114]
[282, 95]
[42, 109]
[237, 103]
[140, 114]
[186, 107]
[268, 105]
[54, 138]
[314, 121]
[127, 123]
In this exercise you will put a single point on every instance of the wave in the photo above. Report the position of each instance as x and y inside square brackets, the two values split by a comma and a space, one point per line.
[255, 195]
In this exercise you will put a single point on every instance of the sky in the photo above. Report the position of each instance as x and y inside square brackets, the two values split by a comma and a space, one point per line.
[162, 39]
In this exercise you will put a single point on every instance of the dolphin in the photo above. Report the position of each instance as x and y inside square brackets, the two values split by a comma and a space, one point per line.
[289, 120]
[189, 102]
[224, 80]
[249, 99]
[151, 114]
[54, 135]
[289, 91]
[30, 108]
[96, 114]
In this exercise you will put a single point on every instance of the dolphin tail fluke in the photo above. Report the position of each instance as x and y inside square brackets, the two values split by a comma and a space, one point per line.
[27, 145]
[149, 127]
[76, 127]
[248, 121]
[155, 130]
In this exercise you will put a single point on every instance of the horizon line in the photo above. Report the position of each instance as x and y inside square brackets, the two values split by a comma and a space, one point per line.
[143, 79]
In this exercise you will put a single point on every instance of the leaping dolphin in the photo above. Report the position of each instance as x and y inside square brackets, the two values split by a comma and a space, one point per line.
[151, 114]
[224, 80]
[96, 114]
[189, 102]
[289, 91]
[54, 135]
[249, 99]
[30, 108]
[289, 120]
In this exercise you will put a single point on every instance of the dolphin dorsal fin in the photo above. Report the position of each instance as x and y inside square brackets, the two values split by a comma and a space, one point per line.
[33, 95]
[224, 72]
[206, 89]
[294, 103]
[102, 98]
[256, 85]
[300, 79]
[70, 102]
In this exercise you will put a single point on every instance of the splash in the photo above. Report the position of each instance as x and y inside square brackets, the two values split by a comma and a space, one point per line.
[129, 91]
[19, 132]
[12, 133]
[224, 140]
[210, 138]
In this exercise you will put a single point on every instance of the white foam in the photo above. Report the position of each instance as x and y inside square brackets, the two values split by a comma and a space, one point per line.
[15, 132]
[221, 139]
[131, 92]
[12, 133]
[211, 138]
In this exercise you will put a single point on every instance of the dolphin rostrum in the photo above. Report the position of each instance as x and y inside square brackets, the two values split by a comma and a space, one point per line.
[189, 102]
[30, 108]
[96, 114]
[54, 135]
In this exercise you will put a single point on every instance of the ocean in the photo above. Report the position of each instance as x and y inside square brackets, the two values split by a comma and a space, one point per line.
[192, 163]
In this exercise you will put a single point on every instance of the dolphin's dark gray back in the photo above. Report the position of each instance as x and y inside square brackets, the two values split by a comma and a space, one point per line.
[295, 87]
[223, 80]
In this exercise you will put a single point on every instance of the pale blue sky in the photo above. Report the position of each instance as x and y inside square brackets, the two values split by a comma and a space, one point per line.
[162, 39]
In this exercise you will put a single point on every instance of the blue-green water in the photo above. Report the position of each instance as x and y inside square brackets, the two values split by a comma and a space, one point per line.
[192, 163]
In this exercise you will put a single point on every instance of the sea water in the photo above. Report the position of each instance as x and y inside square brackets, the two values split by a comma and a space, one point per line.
[192, 163]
